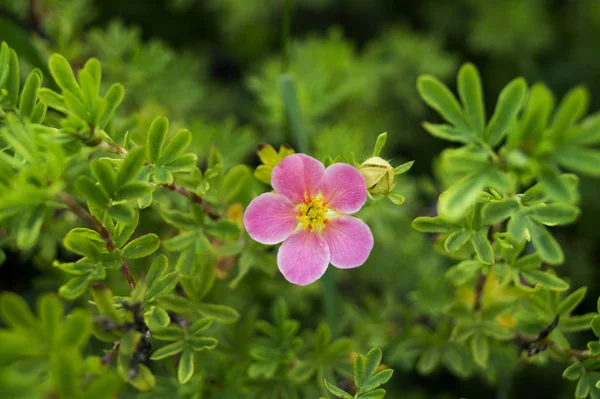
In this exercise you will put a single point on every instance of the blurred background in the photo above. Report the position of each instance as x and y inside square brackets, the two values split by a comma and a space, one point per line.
[213, 66]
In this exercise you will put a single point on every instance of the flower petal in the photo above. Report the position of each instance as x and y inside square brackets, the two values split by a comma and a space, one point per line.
[270, 218]
[350, 241]
[303, 258]
[344, 188]
[296, 175]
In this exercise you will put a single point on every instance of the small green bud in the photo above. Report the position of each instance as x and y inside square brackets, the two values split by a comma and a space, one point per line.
[379, 175]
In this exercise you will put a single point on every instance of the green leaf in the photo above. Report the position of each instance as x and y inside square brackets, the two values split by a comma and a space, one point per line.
[94, 69]
[185, 371]
[91, 192]
[553, 214]
[583, 388]
[471, 96]
[199, 325]
[376, 394]
[176, 146]
[75, 287]
[405, 167]
[168, 350]
[549, 250]
[76, 330]
[156, 138]
[438, 97]
[573, 372]
[80, 243]
[63, 74]
[588, 131]
[234, 181]
[144, 380]
[131, 191]
[464, 271]
[360, 373]
[496, 211]
[164, 284]
[372, 361]
[187, 263]
[29, 94]
[480, 347]
[222, 228]
[596, 325]
[458, 360]
[570, 302]
[302, 371]
[552, 184]
[509, 103]
[377, 380]
[571, 109]
[536, 114]
[433, 225]
[201, 343]
[396, 198]
[429, 360]
[122, 213]
[220, 313]
[337, 391]
[51, 313]
[456, 240]
[183, 163]
[64, 374]
[579, 159]
[4, 64]
[162, 175]
[156, 318]
[103, 299]
[456, 200]
[517, 227]
[39, 112]
[545, 279]
[577, 323]
[381, 139]
[141, 247]
[181, 241]
[54, 100]
[157, 269]
[105, 174]
[16, 313]
[112, 100]
[131, 167]
[170, 333]
[450, 133]
[482, 247]
[12, 84]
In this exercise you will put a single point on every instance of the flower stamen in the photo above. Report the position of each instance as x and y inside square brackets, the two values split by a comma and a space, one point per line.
[313, 213]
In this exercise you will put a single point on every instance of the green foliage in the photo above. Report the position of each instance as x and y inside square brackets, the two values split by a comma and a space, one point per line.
[137, 200]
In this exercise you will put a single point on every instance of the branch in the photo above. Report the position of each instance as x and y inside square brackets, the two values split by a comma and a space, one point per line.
[479, 285]
[110, 245]
[210, 211]
[214, 215]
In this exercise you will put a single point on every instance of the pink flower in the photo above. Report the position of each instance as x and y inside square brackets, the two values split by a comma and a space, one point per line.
[310, 215]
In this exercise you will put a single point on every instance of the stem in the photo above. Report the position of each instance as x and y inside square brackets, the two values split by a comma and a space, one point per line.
[553, 346]
[479, 285]
[110, 245]
[330, 302]
[214, 215]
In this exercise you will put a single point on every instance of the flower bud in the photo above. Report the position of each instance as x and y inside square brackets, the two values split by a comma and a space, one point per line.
[378, 174]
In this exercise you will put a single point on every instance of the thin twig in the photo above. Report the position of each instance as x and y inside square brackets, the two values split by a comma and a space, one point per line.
[214, 215]
[210, 211]
[479, 285]
[102, 230]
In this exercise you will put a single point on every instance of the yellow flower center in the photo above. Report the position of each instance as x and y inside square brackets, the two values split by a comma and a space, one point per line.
[313, 213]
